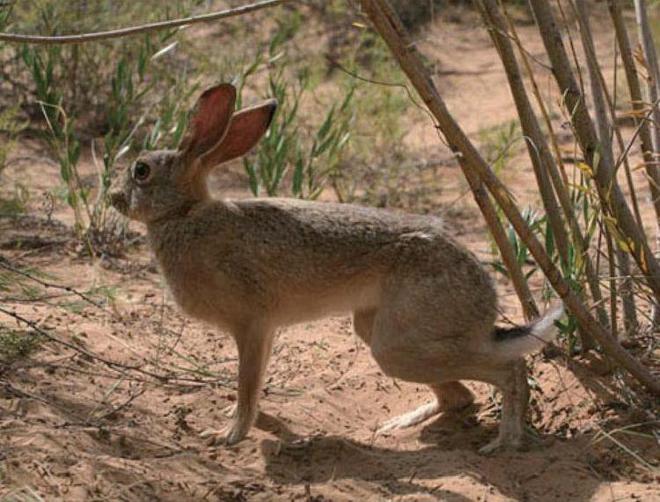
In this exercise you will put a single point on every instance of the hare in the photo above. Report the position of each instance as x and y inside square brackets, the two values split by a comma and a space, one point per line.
[420, 301]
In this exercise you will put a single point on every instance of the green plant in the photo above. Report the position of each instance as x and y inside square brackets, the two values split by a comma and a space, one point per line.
[376, 156]
[311, 158]
[83, 72]
[126, 109]
[15, 345]
[538, 224]
[106, 89]
[10, 127]
[326, 148]
[16, 203]
[498, 143]
[172, 115]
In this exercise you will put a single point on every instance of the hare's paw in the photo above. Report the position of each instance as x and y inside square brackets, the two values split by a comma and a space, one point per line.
[236, 433]
[229, 436]
[214, 437]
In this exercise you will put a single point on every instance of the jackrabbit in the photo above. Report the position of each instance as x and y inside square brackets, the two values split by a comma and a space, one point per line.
[419, 300]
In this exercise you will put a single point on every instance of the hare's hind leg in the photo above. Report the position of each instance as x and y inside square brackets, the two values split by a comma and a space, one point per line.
[512, 382]
[449, 396]
[254, 348]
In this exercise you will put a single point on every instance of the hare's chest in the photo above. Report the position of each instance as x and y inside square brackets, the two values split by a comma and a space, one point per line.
[195, 289]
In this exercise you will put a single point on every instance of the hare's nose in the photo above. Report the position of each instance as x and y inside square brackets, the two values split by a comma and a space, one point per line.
[118, 201]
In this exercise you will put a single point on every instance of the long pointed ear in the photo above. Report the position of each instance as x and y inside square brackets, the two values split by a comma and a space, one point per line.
[210, 118]
[245, 130]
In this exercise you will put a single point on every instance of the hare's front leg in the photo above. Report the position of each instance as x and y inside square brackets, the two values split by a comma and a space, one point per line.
[254, 348]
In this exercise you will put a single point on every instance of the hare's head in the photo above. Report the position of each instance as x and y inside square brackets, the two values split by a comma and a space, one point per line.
[165, 183]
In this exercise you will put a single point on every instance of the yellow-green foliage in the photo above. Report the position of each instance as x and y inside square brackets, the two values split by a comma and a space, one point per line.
[10, 126]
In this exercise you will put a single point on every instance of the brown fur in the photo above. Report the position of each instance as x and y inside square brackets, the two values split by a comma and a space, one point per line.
[421, 302]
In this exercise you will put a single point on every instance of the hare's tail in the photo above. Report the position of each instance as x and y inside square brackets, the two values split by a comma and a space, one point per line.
[512, 343]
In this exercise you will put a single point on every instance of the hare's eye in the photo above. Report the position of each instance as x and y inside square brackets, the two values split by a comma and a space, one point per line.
[141, 171]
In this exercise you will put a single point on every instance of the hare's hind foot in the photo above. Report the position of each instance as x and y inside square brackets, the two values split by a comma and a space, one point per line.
[517, 442]
[230, 411]
[411, 418]
[214, 437]
[450, 396]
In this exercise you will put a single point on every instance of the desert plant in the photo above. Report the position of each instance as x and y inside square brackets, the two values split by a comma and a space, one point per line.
[311, 159]
[10, 127]
[82, 73]
[105, 89]
[126, 108]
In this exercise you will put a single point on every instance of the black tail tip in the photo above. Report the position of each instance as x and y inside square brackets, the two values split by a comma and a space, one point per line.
[501, 334]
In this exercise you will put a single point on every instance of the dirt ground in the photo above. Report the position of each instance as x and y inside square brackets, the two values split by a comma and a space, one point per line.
[76, 428]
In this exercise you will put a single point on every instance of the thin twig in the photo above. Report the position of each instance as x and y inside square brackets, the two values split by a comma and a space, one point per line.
[121, 406]
[116, 366]
[412, 99]
[135, 30]
[5, 264]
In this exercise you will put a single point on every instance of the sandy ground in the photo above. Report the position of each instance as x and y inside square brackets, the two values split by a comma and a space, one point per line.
[75, 428]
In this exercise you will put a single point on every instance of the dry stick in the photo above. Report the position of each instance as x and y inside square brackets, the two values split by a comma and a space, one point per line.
[559, 178]
[599, 96]
[541, 104]
[480, 194]
[536, 146]
[135, 30]
[117, 408]
[388, 24]
[638, 105]
[609, 191]
[627, 296]
[648, 46]
[539, 151]
[602, 96]
[613, 288]
[646, 40]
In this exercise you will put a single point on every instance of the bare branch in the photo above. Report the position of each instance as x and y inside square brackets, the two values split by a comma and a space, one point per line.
[609, 191]
[135, 30]
[388, 24]
[540, 155]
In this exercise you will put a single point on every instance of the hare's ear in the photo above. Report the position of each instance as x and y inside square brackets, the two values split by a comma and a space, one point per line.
[208, 123]
[245, 130]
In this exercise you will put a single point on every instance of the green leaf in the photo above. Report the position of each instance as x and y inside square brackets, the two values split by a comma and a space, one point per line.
[298, 173]
[327, 123]
[252, 176]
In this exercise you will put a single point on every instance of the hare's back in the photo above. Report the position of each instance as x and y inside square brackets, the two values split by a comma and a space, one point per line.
[325, 222]
[336, 242]
[329, 235]
[327, 257]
